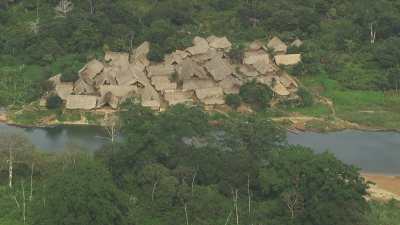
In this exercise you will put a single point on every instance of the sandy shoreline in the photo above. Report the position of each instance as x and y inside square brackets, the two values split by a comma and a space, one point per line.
[386, 186]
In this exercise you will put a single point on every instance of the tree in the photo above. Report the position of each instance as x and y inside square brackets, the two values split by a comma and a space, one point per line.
[54, 102]
[233, 100]
[14, 150]
[64, 7]
[84, 194]
[256, 94]
[314, 188]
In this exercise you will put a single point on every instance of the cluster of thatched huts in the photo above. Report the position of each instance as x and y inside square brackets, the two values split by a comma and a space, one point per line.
[202, 74]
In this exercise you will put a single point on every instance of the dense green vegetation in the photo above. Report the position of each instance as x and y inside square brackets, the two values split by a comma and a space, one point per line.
[352, 41]
[183, 166]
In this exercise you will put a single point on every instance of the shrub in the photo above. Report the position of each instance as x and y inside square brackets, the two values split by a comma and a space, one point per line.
[306, 97]
[54, 102]
[236, 54]
[255, 94]
[69, 75]
[233, 100]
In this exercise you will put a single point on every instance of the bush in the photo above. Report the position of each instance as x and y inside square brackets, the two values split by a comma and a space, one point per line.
[306, 97]
[69, 75]
[233, 100]
[255, 94]
[54, 102]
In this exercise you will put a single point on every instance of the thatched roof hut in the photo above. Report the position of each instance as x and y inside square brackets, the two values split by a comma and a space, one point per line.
[86, 102]
[288, 60]
[211, 96]
[277, 45]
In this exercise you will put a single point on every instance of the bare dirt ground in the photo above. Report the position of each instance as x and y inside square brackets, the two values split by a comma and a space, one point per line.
[386, 187]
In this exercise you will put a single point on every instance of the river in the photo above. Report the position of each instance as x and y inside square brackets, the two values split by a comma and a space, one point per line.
[374, 152]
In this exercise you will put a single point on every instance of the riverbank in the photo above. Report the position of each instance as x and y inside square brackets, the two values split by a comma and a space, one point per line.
[385, 187]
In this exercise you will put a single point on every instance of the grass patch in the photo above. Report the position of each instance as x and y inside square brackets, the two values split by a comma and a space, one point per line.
[32, 116]
[317, 110]
[93, 118]
[369, 108]
[69, 116]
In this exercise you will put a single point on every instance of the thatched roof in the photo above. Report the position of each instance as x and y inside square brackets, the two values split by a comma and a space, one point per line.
[150, 97]
[55, 79]
[194, 84]
[260, 60]
[126, 77]
[297, 43]
[91, 69]
[139, 55]
[162, 83]
[255, 45]
[117, 59]
[118, 91]
[211, 53]
[107, 77]
[267, 80]
[230, 85]
[219, 42]
[278, 88]
[86, 102]
[160, 70]
[63, 90]
[211, 96]
[176, 57]
[188, 69]
[81, 87]
[108, 99]
[177, 97]
[219, 68]
[248, 71]
[277, 45]
[287, 60]
[200, 46]
[288, 81]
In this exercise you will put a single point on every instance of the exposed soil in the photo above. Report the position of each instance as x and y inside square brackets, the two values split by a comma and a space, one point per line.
[386, 187]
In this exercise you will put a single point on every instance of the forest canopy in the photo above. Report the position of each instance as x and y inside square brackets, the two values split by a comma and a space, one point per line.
[353, 42]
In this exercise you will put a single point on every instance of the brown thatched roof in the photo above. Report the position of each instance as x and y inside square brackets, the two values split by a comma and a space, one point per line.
[176, 57]
[211, 53]
[63, 90]
[116, 90]
[55, 79]
[287, 60]
[117, 59]
[139, 55]
[162, 83]
[107, 77]
[277, 45]
[188, 69]
[297, 43]
[219, 68]
[194, 84]
[91, 69]
[260, 60]
[178, 97]
[200, 46]
[86, 102]
[160, 70]
[219, 42]
[279, 88]
[126, 77]
[255, 45]
[248, 71]
[211, 96]
[81, 87]
[230, 85]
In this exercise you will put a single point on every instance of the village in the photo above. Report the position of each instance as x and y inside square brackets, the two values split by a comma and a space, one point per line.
[201, 74]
